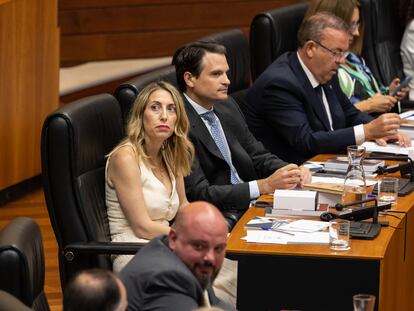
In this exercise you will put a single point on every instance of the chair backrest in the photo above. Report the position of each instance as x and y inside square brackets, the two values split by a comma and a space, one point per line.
[272, 33]
[128, 91]
[75, 140]
[382, 38]
[237, 57]
[22, 264]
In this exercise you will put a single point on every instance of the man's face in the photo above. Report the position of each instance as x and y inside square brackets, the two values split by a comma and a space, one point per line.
[212, 83]
[324, 64]
[201, 246]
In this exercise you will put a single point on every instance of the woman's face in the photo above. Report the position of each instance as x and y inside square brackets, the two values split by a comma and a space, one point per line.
[354, 25]
[160, 116]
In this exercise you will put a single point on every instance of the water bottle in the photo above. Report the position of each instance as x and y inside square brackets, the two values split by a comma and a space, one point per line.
[354, 185]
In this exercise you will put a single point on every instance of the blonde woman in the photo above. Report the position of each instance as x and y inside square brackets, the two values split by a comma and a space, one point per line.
[144, 173]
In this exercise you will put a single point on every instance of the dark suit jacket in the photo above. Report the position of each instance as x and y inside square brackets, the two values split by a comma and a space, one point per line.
[156, 279]
[284, 112]
[210, 176]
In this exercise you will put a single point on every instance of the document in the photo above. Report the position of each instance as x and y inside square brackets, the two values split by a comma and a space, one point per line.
[272, 237]
[394, 148]
[337, 180]
[296, 232]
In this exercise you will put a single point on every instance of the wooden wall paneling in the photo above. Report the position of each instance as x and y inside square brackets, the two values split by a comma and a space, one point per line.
[29, 62]
[75, 4]
[127, 45]
[137, 29]
[161, 17]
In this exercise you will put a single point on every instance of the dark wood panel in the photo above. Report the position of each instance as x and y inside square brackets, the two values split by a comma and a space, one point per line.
[161, 17]
[119, 29]
[75, 4]
[134, 45]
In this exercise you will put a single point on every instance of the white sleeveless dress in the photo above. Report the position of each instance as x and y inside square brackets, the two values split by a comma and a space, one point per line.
[161, 206]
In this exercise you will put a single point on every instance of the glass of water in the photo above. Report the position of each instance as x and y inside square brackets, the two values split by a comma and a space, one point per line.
[339, 234]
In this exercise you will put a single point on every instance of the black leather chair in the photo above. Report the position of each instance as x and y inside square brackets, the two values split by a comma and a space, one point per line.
[22, 264]
[237, 57]
[382, 38]
[272, 33]
[75, 140]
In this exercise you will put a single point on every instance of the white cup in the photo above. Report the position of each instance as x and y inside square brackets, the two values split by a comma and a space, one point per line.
[388, 190]
[364, 302]
[339, 234]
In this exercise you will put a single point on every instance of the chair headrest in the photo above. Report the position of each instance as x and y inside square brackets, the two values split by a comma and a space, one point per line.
[22, 266]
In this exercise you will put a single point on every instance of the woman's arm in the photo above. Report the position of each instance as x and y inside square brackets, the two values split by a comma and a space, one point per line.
[181, 192]
[125, 175]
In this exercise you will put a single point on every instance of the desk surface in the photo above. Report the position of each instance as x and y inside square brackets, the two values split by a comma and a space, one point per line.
[367, 249]
[359, 248]
[377, 265]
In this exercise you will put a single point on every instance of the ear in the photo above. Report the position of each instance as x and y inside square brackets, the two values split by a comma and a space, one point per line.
[188, 78]
[309, 49]
[172, 238]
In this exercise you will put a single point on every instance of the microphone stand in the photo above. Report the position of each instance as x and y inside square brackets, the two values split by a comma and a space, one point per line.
[363, 213]
[405, 186]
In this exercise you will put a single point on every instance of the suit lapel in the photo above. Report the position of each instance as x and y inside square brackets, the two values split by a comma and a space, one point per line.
[312, 97]
[200, 130]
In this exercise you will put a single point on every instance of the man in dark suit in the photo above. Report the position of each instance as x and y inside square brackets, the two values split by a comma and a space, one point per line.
[175, 272]
[296, 107]
[231, 167]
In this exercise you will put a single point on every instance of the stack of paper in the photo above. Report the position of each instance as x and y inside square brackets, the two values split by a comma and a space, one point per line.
[296, 232]
[394, 148]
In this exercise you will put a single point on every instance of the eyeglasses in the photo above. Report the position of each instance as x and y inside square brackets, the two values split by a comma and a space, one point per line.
[338, 55]
[354, 26]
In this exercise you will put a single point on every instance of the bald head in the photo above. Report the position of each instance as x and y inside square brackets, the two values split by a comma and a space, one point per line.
[95, 289]
[199, 213]
[199, 238]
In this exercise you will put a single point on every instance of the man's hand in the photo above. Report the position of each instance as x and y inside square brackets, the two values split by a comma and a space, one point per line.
[402, 93]
[380, 103]
[305, 176]
[386, 125]
[286, 177]
[403, 139]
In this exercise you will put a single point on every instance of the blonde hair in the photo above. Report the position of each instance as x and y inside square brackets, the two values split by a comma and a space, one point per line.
[177, 150]
[343, 9]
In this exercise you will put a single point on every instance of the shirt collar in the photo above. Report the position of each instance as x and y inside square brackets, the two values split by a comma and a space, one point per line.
[308, 73]
[199, 109]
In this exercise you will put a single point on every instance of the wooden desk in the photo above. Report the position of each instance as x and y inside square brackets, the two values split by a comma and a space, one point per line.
[313, 277]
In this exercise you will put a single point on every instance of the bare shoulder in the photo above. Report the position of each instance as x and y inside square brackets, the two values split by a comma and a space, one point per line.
[124, 158]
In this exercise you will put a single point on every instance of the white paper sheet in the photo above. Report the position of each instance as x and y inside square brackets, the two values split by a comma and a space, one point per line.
[371, 146]
[272, 237]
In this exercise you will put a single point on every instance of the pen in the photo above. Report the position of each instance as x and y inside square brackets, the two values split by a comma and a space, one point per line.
[277, 230]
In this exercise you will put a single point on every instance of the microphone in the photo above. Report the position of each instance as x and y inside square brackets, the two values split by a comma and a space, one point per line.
[340, 206]
[404, 168]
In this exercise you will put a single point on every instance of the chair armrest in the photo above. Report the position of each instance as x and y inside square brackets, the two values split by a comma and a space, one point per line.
[104, 248]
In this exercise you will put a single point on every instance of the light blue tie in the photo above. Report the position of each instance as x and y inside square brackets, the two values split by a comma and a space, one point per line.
[220, 141]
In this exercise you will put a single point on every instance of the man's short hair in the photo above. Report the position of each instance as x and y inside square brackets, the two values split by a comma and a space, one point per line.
[313, 27]
[189, 58]
[94, 289]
